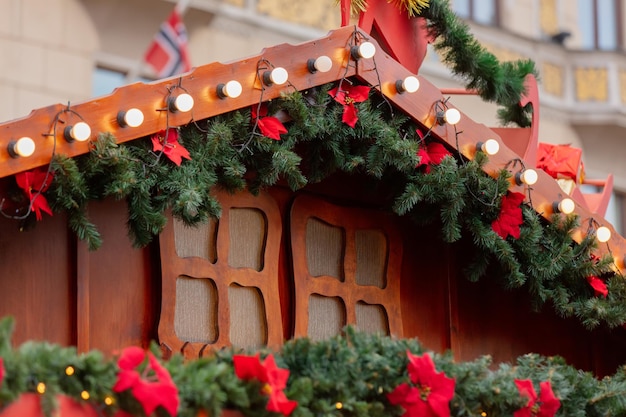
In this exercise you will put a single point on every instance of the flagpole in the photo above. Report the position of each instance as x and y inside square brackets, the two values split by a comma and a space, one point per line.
[132, 75]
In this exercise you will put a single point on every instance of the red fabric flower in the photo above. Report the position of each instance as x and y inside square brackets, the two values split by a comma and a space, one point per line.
[546, 406]
[510, 218]
[599, 286]
[170, 146]
[431, 154]
[269, 126]
[35, 183]
[274, 380]
[431, 392]
[347, 96]
[152, 387]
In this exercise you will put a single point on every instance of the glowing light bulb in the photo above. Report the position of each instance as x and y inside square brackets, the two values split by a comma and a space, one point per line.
[277, 76]
[24, 146]
[130, 118]
[603, 234]
[84, 395]
[108, 400]
[231, 89]
[41, 388]
[490, 146]
[364, 50]
[409, 85]
[452, 116]
[528, 177]
[69, 371]
[565, 206]
[321, 64]
[182, 103]
[79, 132]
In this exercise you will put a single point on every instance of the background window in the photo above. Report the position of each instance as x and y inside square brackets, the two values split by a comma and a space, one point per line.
[599, 24]
[480, 11]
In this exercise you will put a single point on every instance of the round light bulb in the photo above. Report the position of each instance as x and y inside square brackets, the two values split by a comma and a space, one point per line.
[69, 371]
[231, 89]
[84, 395]
[41, 388]
[24, 146]
[452, 116]
[364, 50]
[603, 234]
[529, 176]
[80, 131]
[409, 85]
[278, 76]
[321, 64]
[566, 206]
[490, 146]
[183, 102]
[108, 400]
[131, 118]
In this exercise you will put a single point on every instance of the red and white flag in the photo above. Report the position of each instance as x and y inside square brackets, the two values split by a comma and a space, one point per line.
[168, 54]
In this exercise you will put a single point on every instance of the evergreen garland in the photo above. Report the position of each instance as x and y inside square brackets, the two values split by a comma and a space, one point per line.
[345, 375]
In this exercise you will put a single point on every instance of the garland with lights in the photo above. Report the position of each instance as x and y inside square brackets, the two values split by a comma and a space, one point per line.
[354, 374]
[346, 128]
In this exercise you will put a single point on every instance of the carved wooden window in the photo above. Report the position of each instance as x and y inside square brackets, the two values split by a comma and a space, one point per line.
[346, 264]
[219, 285]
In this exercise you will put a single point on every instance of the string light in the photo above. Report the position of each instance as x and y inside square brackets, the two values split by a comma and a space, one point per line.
[565, 206]
[446, 115]
[603, 234]
[365, 50]
[527, 176]
[181, 103]
[24, 147]
[338, 405]
[108, 400]
[230, 89]
[277, 76]
[490, 147]
[84, 395]
[69, 371]
[321, 64]
[79, 132]
[41, 388]
[130, 118]
[409, 85]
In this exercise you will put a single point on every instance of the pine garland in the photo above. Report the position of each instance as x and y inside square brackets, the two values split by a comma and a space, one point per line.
[344, 375]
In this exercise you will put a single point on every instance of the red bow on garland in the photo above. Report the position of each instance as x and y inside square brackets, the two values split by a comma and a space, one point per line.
[170, 146]
[152, 385]
[269, 126]
[347, 96]
[273, 378]
[510, 218]
[545, 406]
[35, 183]
[599, 286]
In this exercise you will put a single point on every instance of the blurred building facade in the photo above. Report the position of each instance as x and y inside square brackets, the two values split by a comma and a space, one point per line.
[72, 50]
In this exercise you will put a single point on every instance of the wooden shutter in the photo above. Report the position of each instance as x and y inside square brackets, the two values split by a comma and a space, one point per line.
[346, 265]
[220, 280]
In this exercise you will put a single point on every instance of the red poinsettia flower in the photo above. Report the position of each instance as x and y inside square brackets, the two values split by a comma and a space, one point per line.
[599, 286]
[545, 406]
[430, 392]
[269, 126]
[510, 218]
[274, 380]
[168, 143]
[150, 384]
[431, 154]
[35, 183]
[347, 96]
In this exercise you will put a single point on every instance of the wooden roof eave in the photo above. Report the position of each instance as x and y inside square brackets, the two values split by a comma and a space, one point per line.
[382, 71]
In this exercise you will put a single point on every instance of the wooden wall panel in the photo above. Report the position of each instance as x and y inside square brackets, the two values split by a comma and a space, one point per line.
[121, 284]
[36, 280]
